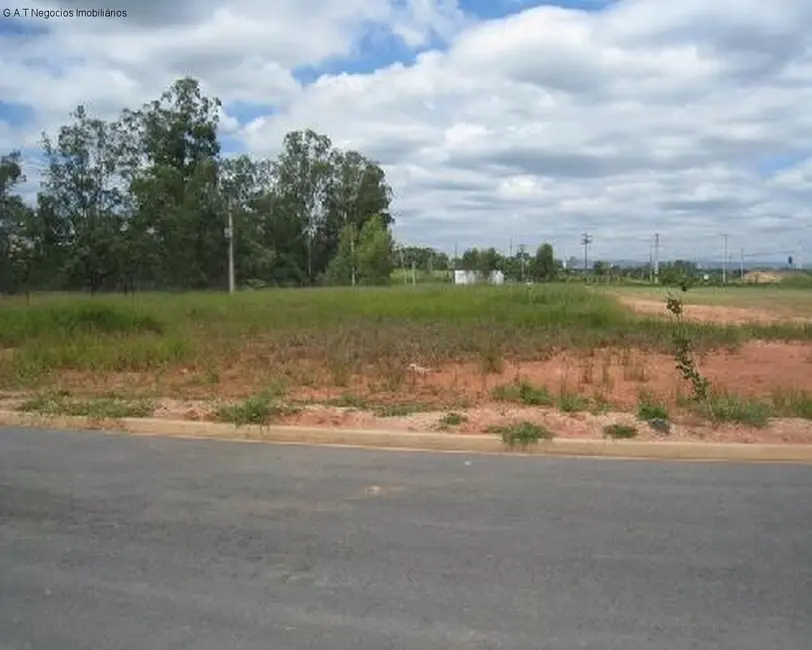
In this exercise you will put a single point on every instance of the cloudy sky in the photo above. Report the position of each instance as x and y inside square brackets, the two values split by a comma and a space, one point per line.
[496, 120]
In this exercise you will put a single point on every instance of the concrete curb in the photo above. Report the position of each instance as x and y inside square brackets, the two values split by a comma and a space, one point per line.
[427, 441]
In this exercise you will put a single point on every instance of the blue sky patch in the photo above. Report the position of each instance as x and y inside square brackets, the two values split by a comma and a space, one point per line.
[20, 27]
[378, 49]
[14, 114]
[486, 9]
[771, 165]
[246, 112]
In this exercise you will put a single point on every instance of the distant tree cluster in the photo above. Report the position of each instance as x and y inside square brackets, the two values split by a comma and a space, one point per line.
[142, 203]
[541, 267]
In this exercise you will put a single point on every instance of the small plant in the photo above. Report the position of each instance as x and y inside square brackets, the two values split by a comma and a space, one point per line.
[619, 431]
[600, 404]
[451, 420]
[105, 408]
[793, 404]
[683, 350]
[727, 407]
[491, 362]
[572, 402]
[522, 434]
[648, 408]
[523, 392]
[260, 409]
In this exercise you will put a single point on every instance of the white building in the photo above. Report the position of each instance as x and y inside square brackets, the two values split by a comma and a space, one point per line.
[474, 277]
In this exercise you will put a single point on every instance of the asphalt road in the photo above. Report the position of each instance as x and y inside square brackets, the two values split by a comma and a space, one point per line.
[116, 542]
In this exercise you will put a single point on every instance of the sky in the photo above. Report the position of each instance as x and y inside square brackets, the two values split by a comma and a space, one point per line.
[498, 122]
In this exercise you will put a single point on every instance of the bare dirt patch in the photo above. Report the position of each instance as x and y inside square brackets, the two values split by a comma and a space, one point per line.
[722, 315]
[614, 378]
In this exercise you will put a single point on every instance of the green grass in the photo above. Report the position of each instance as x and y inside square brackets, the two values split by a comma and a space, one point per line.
[452, 420]
[648, 408]
[260, 409]
[619, 431]
[522, 434]
[349, 331]
[573, 402]
[523, 392]
[792, 404]
[729, 407]
[101, 408]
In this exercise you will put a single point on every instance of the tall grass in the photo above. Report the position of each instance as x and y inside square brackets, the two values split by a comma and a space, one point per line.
[349, 330]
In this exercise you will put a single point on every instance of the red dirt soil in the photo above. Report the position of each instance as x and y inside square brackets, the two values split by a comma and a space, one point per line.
[613, 376]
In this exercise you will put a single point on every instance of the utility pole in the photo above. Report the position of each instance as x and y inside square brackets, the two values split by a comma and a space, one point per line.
[521, 252]
[510, 254]
[403, 266]
[352, 256]
[741, 264]
[656, 258]
[586, 240]
[724, 264]
[230, 235]
[651, 263]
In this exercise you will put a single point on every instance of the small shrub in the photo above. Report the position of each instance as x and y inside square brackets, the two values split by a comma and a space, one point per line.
[260, 410]
[649, 409]
[522, 434]
[452, 420]
[523, 392]
[572, 402]
[683, 350]
[619, 431]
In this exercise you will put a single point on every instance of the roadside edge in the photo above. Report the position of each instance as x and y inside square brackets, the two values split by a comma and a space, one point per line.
[427, 441]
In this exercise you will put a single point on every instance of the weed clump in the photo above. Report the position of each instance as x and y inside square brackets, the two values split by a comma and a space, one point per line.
[523, 392]
[260, 410]
[452, 420]
[522, 434]
[619, 431]
[107, 408]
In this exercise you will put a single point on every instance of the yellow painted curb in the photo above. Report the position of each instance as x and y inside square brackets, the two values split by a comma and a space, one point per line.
[429, 441]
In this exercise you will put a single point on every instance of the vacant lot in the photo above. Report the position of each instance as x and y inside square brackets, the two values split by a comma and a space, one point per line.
[461, 359]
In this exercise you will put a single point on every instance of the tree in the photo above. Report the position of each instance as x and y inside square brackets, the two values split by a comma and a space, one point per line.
[343, 266]
[544, 267]
[10, 207]
[375, 245]
[143, 201]
[84, 191]
[175, 186]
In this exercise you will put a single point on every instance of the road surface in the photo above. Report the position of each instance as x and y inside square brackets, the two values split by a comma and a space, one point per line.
[116, 542]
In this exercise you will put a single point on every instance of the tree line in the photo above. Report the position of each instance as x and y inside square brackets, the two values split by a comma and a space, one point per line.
[141, 203]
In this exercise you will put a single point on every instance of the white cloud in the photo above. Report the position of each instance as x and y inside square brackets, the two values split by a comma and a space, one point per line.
[645, 117]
